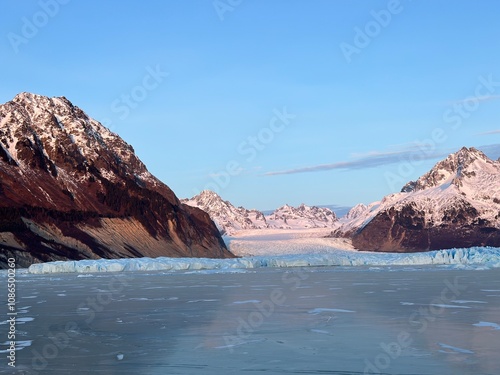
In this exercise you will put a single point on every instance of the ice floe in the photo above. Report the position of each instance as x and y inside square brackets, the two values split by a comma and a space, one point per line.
[488, 324]
[454, 349]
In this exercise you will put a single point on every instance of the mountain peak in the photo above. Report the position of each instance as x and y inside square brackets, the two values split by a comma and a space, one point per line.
[51, 132]
[230, 219]
[30, 97]
[226, 216]
[356, 211]
[465, 156]
[208, 194]
[72, 189]
[462, 164]
[455, 204]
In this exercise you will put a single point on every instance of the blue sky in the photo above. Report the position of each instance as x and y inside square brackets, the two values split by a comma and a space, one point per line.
[269, 101]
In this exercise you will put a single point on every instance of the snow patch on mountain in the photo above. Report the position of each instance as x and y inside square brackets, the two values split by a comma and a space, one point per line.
[466, 181]
[72, 189]
[302, 216]
[231, 219]
[356, 211]
[58, 127]
[227, 217]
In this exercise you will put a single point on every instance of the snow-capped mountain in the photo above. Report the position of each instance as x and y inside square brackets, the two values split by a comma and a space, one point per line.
[302, 216]
[356, 211]
[72, 189]
[339, 210]
[227, 217]
[230, 219]
[455, 204]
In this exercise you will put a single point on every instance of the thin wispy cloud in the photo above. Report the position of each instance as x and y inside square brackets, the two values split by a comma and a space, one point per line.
[412, 153]
[490, 132]
[370, 160]
[483, 98]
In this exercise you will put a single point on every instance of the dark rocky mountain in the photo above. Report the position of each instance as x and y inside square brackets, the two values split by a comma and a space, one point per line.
[455, 204]
[72, 189]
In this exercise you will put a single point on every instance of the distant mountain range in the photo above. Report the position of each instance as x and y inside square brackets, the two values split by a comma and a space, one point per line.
[337, 209]
[340, 211]
[230, 219]
[71, 189]
[455, 204]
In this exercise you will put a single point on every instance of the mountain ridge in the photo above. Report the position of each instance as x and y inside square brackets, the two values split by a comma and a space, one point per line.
[455, 204]
[72, 189]
[231, 219]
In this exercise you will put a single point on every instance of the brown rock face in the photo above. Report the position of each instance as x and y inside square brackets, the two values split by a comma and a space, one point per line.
[71, 189]
[405, 230]
[455, 204]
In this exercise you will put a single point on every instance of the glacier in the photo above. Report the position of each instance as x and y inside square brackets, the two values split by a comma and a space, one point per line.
[469, 258]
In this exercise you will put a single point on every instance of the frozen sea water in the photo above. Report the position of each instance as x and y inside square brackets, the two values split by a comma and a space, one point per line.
[302, 320]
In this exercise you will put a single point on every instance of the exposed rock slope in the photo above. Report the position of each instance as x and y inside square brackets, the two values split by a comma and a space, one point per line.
[71, 189]
[455, 204]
